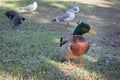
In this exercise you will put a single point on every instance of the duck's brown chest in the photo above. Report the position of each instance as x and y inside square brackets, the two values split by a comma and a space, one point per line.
[79, 45]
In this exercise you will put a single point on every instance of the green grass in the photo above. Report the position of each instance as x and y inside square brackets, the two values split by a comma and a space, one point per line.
[33, 52]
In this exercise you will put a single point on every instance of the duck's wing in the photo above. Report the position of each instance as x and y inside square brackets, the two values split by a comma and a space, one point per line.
[63, 17]
[29, 7]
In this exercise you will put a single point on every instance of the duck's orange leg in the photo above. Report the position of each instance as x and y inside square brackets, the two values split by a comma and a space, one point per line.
[69, 64]
[80, 63]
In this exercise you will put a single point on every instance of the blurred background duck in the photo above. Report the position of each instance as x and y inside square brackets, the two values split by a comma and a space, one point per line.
[76, 45]
[15, 19]
[31, 7]
[68, 16]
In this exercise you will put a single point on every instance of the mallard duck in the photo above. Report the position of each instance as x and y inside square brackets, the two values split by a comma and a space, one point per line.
[76, 45]
[30, 7]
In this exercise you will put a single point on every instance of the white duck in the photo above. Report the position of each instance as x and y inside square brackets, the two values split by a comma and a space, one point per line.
[31, 7]
[68, 16]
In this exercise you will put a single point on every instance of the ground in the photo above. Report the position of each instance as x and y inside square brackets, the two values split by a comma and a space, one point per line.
[33, 52]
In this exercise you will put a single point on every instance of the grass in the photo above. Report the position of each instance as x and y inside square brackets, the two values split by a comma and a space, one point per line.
[33, 53]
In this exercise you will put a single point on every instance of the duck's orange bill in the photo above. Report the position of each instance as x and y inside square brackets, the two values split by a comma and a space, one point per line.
[92, 31]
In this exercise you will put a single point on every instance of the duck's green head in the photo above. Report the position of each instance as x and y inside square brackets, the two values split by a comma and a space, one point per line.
[83, 28]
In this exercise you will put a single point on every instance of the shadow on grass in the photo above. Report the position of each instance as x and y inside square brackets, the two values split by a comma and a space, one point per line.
[106, 68]
[45, 69]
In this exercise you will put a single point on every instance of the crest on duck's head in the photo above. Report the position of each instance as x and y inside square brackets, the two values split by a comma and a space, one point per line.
[79, 22]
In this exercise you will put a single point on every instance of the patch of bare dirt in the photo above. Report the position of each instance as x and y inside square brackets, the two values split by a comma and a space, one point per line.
[112, 40]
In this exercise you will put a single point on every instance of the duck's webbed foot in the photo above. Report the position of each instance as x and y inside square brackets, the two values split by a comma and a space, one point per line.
[71, 66]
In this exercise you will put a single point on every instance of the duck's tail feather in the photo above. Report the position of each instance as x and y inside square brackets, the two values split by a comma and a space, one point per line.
[62, 42]
[54, 20]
